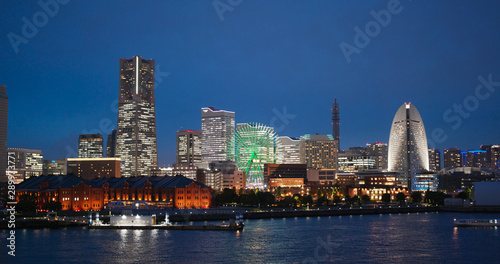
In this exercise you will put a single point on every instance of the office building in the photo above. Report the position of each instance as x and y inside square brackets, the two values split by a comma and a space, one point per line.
[217, 135]
[322, 177]
[288, 150]
[4, 107]
[54, 167]
[336, 123]
[408, 151]
[232, 177]
[187, 171]
[188, 147]
[111, 144]
[318, 151]
[477, 158]
[236, 179]
[136, 127]
[90, 146]
[378, 151]
[356, 159]
[211, 178]
[94, 168]
[24, 163]
[434, 160]
[452, 158]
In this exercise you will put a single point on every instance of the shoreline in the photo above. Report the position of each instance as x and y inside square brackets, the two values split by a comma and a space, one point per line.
[274, 213]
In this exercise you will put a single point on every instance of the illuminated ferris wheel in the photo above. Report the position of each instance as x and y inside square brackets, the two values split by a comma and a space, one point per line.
[255, 146]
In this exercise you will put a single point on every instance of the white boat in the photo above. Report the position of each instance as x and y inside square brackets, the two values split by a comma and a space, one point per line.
[477, 222]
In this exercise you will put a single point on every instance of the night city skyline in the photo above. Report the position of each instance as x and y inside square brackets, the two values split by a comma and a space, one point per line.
[256, 60]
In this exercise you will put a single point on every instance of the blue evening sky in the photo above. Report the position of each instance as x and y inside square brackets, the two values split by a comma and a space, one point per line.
[254, 58]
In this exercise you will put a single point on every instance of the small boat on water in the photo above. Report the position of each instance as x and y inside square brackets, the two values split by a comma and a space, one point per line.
[477, 222]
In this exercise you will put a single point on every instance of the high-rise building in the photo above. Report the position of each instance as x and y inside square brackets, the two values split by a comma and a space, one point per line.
[288, 150]
[378, 151]
[452, 158]
[318, 151]
[4, 103]
[476, 158]
[336, 123]
[188, 147]
[111, 144]
[90, 146]
[408, 151]
[217, 135]
[434, 160]
[136, 126]
[25, 163]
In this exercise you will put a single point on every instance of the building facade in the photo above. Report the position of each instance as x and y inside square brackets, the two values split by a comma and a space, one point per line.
[452, 158]
[434, 159]
[136, 127]
[477, 158]
[54, 167]
[188, 147]
[90, 146]
[495, 159]
[24, 163]
[336, 123]
[378, 151]
[4, 107]
[408, 151]
[77, 194]
[217, 135]
[356, 159]
[288, 150]
[285, 175]
[111, 144]
[94, 168]
[457, 179]
[318, 151]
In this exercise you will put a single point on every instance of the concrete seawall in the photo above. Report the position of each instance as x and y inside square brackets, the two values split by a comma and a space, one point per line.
[301, 213]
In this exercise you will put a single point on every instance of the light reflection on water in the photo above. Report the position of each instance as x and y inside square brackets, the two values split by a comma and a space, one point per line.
[369, 238]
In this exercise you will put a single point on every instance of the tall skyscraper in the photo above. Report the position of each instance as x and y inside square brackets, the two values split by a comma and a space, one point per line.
[434, 159]
[136, 126]
[336, 123]
[288, 150]
[378, 151]
[4, 103]
[111, 144]
[318, 151]
[452, 158]
[188, 147]
[408, 151]
[217, 135]
[90, 146]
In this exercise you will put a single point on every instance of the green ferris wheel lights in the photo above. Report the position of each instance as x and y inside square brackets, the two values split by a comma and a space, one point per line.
[255, 146]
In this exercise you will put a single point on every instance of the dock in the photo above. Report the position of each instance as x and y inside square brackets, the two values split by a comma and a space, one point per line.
[173, 227]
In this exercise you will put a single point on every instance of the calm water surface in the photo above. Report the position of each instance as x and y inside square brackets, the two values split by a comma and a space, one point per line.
[396, 238]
